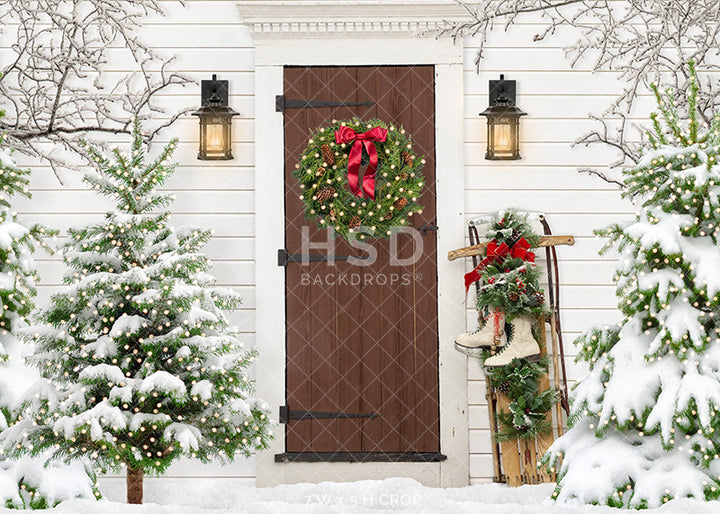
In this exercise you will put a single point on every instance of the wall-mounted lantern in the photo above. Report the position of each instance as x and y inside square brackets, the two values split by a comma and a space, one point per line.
[503, 121]
[215, 120]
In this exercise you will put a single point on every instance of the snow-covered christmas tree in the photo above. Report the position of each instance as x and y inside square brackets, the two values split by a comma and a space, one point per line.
[141, 365]
[645, 421]
[27, 482]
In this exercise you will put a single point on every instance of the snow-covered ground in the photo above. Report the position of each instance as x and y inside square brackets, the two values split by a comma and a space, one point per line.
[393, 495]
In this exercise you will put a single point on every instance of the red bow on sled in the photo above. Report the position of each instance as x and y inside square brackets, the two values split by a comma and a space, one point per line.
[497, 253]
[347, 135]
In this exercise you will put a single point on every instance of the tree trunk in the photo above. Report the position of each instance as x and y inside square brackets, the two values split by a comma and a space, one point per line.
[134, 485]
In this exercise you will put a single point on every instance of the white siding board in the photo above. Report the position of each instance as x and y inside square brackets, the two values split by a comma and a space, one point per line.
[90, 202]
[189, 60]
[541, 130]
[549, 201]
[194, 178]
[223, 225]
[480, 441]
[533, 178]
[545, 154]
[543, 82]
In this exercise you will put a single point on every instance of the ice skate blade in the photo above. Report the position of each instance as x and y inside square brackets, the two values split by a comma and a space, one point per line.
[472, 352]
[483, 346]
[529, 358]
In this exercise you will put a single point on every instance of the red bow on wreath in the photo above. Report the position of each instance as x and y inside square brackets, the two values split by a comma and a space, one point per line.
[498, 253]
[347, 135]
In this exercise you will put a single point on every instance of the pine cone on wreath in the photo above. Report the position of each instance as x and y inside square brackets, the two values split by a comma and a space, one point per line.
[400, 203]
[403, 176]
[406, 157]
[539, 297]
[513, 296]
[388, 216]
[504, 387]
[355, 221]
[328, 155]
[325, 194]
[333, 214]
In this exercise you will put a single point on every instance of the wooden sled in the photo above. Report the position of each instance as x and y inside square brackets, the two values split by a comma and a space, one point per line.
[515, 461]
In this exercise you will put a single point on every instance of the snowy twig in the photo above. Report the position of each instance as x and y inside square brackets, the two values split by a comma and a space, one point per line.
[602, 176]
[57, 88]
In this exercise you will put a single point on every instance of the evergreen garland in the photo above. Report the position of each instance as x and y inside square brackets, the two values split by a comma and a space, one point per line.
[528, 406]
[512, 285]
[328, 201]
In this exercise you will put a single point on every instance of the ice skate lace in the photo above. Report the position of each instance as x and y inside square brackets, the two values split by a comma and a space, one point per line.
[507, 344]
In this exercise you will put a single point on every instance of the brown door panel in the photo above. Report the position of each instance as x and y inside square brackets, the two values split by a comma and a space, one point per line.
[362, 339]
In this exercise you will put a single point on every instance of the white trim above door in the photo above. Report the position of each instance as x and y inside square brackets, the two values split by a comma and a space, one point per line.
[296, 33]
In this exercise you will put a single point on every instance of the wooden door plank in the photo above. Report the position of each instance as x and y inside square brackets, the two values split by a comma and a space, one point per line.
[350, 356]
[412, 394]
[380, 84]
[299, 326]
[421, 106]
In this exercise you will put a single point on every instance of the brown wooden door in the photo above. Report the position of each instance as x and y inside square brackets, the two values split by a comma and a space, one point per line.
[368, 343]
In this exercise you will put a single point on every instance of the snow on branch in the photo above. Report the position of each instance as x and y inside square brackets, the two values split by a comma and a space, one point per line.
[644, 41]
[58, 86]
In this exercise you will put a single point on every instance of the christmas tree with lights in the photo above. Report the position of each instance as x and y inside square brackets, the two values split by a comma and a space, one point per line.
[27, 482]
[140, 363]
[645, 427]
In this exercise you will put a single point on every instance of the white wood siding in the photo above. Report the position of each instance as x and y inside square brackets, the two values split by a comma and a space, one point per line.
[208, 37]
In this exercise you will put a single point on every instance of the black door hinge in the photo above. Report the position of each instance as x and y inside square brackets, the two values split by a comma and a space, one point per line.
[282, 103]
[428, 228]
[300, 415]
[284, 257]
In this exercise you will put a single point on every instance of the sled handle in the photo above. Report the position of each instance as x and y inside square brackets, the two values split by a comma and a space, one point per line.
[479, 249]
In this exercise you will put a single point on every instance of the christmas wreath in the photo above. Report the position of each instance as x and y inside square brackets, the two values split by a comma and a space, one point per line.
[335, 194]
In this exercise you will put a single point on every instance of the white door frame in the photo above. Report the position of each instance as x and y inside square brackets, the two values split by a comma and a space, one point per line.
[296, 33]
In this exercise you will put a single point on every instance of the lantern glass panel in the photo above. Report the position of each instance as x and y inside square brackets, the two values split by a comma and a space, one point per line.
[214, 136]
[502, 137]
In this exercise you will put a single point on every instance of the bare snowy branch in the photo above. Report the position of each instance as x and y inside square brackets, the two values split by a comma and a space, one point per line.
[602, 176]
[57, 89]
[643, 40]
